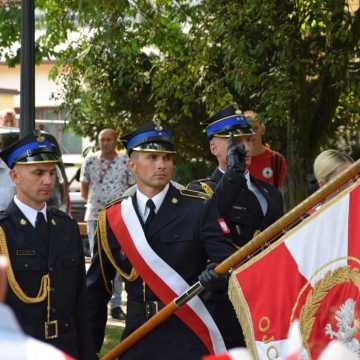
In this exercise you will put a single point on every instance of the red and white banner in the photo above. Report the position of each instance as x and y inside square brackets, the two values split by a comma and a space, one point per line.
[310, 274]
[163, 280]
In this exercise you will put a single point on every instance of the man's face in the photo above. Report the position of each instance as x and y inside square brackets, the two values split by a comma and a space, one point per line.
[34, 182]
[107, 141]
[219, 147]
[259, 131]
[152, 170]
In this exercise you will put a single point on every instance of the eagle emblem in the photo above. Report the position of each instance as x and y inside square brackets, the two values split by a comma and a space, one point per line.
[347, 325]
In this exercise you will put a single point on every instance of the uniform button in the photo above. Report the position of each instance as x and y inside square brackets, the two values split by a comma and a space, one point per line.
[52, 289]
[26, 265]
[53, 311]
[51, 268]
[66, 324]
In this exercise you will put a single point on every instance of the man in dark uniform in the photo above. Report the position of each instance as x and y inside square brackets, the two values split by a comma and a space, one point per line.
[46, 276]
[245, 204]
[159, 240]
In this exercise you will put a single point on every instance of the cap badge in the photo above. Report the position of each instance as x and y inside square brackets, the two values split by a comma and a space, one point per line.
[174, 200]
[40, 138]
[23, 221]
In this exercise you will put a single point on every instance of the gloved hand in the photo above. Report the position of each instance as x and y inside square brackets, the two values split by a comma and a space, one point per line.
[209, 278]
[236, 156]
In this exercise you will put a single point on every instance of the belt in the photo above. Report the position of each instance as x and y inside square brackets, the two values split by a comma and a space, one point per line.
[49, 330]
[148, 308]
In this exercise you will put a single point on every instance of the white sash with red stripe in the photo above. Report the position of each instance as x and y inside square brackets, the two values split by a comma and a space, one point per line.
[163, 280]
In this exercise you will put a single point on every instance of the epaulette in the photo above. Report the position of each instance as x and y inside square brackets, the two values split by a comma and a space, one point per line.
[201, 185]
[194, 194]
[3, 214]
[58, 212]
[118, 200]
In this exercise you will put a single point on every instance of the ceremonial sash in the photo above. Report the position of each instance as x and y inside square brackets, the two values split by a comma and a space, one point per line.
[163, 280]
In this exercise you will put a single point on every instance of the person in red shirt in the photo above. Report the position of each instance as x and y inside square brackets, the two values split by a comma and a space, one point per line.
[266, 164]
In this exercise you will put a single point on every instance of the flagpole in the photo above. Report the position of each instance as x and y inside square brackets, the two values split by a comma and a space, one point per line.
[263, 238]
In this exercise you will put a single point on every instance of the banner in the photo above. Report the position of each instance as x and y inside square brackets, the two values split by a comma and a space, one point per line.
[311, 274]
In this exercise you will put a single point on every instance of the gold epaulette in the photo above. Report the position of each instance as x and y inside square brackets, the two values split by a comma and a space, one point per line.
[111, 203]
[207, 189]
[103, 243]
[194, 194]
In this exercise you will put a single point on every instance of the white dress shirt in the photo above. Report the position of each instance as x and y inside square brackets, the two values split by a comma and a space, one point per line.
[257, 193]
[157, 199]
[29, 212]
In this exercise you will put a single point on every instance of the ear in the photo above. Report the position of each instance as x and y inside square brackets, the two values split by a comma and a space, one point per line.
[262, 129]
[13, 175]
[132, 165]
[213, 147]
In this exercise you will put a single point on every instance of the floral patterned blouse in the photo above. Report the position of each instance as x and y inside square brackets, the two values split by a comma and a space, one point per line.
[107, 179]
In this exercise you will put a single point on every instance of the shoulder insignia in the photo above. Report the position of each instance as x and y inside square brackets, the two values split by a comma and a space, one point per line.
[113, 202]
[207, 188]
[194, 194]
[58, 212]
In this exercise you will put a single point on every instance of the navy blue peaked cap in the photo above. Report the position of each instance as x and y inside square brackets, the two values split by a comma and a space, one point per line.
[33, 148]
[149, 138]
[226, 122]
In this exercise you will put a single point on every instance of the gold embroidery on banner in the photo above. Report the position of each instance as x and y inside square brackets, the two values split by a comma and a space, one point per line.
[242, 311]
[315, 297]
[264, 323]
[272, 353]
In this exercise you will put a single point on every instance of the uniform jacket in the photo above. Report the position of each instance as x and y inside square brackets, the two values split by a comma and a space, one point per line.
[62, 258]
[239, 205]
[242, 213]
[186, 235]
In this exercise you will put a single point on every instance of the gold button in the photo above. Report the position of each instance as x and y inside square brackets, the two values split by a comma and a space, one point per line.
[23, 221]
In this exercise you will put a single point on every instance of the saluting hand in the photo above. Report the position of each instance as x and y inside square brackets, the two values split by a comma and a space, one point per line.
[236, 156]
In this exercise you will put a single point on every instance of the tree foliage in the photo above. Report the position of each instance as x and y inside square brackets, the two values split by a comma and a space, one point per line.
[126, 62]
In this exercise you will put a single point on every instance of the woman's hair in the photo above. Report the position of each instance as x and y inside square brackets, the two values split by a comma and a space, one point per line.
[327, 164]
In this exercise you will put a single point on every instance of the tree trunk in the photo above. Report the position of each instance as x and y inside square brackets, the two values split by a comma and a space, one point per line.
[298, 165]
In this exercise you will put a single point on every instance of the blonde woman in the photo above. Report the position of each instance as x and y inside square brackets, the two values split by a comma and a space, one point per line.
[329, 164]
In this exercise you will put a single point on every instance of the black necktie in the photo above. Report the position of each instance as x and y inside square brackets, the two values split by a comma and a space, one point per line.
[150, 204]
[42, 228]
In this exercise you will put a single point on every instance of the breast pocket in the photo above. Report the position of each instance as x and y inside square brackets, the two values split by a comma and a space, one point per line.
[26, 263]
[70, 262]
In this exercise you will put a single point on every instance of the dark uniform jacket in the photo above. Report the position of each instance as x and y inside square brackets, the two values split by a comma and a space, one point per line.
[185, 234]
[239, 206]
[242, 213]
[62, 258]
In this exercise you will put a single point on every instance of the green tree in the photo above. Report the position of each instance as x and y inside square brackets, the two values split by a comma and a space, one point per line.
[293, 61]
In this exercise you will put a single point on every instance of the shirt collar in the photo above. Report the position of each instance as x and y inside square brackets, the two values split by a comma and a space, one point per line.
[29, 212]
[157, 199]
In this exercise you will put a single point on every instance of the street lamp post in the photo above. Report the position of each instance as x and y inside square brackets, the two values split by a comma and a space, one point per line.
[27, 92]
